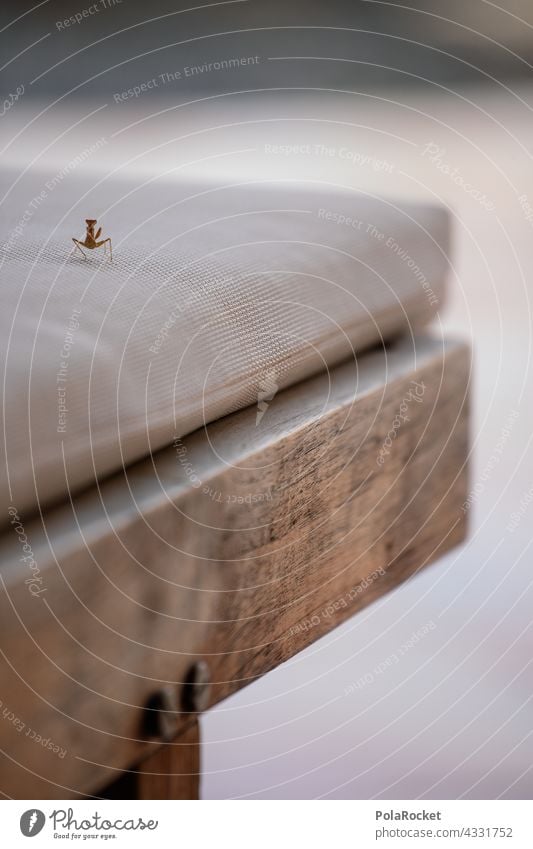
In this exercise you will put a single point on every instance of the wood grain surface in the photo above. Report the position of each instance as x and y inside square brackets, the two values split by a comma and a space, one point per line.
[239, 545]
[173, 771]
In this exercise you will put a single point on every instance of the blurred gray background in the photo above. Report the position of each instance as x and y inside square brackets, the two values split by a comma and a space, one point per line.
[392, 43]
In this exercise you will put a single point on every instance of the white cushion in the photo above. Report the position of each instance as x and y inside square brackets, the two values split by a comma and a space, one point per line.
[217, 297]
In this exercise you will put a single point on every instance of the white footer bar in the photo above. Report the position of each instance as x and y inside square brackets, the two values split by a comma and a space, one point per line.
[270, 824]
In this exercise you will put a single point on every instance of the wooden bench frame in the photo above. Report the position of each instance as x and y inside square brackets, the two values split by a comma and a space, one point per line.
[221, 557]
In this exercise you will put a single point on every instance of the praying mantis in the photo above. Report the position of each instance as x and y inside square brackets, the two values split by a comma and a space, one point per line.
[91, 239]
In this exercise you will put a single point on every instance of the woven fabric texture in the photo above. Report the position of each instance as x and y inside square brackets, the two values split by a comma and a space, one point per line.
[217, 297]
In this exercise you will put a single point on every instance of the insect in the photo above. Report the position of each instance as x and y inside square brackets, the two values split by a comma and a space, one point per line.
[91, 239]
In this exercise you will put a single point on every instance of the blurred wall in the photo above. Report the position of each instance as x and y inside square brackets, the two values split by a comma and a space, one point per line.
[122, 42]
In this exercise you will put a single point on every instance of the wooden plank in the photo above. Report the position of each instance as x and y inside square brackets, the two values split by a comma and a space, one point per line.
[239, 545]
[172, 771]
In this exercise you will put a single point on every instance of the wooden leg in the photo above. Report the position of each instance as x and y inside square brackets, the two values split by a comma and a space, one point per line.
[173, 771]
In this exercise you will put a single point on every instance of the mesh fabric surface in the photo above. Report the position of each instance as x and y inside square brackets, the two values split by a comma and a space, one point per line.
[216, 298]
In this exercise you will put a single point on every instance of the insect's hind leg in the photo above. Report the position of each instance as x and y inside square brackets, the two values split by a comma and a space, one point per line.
[77, 245]
[104, 243]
